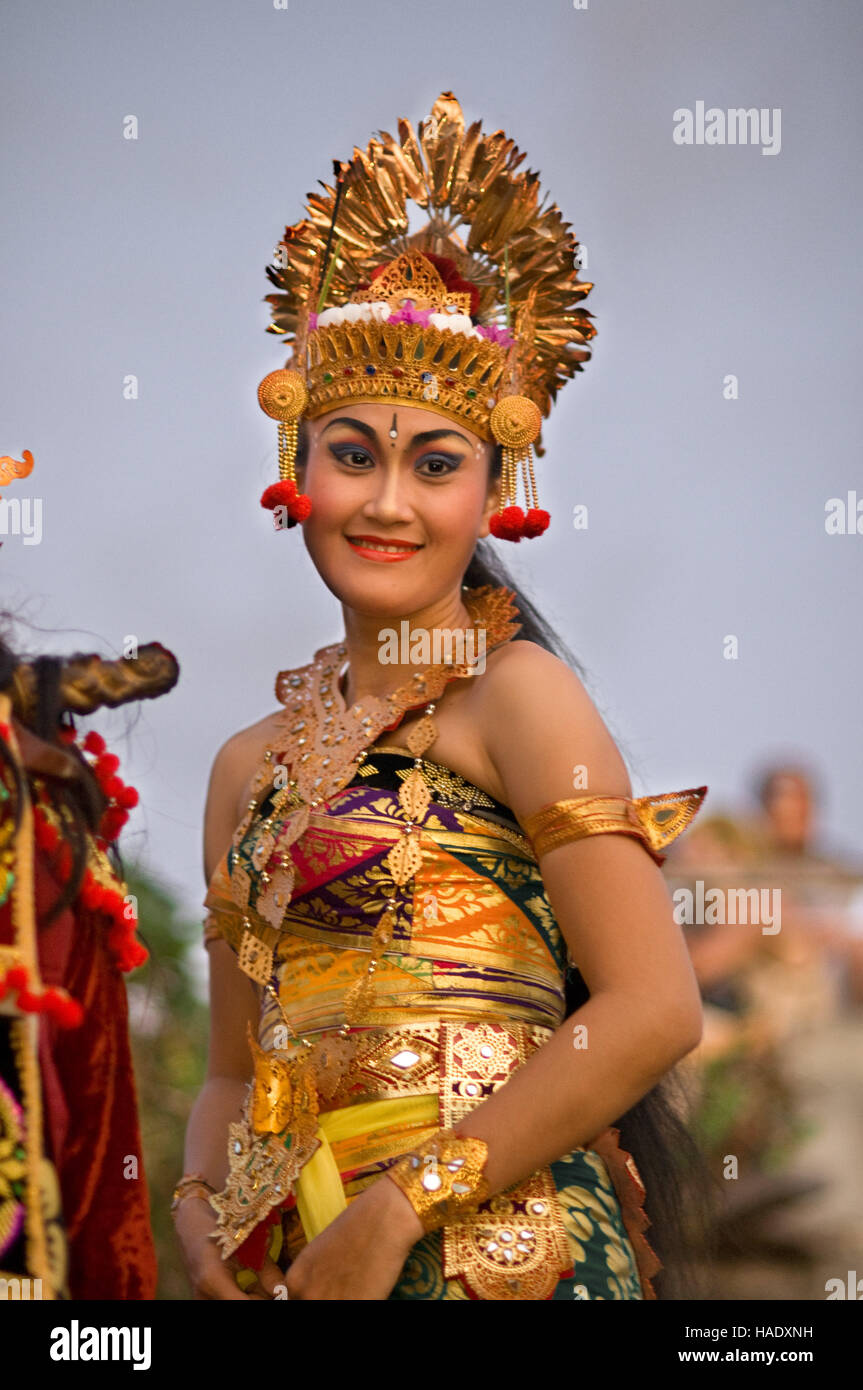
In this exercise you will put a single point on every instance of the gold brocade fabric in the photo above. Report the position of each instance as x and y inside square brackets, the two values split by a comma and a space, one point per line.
[471, 982]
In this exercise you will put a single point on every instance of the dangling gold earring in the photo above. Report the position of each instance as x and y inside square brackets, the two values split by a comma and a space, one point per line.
[283, 396]
[515, 423]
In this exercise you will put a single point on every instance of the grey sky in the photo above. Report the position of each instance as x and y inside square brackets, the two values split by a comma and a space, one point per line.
[706, 514]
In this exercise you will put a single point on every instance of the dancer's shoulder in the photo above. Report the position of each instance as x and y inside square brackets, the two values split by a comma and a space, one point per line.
[542, 728]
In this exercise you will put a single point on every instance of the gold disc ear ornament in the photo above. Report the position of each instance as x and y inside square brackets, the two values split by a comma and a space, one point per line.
[515, 423]
[283, 395]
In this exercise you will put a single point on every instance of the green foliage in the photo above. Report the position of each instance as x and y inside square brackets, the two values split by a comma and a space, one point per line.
[169, 1045]
[747, 1108]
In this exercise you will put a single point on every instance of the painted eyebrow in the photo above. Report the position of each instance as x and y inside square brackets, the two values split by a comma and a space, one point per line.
[426, 437]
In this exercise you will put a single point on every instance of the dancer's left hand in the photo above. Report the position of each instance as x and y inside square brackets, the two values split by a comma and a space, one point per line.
[361, 1254]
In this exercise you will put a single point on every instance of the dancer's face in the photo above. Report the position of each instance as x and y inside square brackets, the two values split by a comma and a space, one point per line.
[428, 490]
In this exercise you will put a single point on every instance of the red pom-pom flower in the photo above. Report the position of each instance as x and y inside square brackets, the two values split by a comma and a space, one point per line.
[55, 1003]
[284, 494]
[535, 522]
[512, 524]
[95, 894]
[507, 525]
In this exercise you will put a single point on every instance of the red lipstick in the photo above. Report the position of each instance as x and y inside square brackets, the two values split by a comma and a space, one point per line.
[377, 548]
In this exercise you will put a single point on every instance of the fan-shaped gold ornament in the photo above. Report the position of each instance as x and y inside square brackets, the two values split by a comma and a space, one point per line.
[484, 213]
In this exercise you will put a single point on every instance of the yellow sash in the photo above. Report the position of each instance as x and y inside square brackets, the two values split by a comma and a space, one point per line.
[384, 1129]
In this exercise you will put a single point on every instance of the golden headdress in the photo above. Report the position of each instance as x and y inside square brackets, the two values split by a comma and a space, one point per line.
[476, 316]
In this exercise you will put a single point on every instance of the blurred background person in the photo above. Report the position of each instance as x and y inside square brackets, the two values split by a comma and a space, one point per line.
[776, 1077]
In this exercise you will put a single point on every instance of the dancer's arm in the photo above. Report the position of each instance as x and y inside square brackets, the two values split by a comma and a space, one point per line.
[615, 911]
[233, 1005]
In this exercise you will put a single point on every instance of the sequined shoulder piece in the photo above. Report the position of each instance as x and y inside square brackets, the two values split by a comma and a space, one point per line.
[295, 678]
[654, 820]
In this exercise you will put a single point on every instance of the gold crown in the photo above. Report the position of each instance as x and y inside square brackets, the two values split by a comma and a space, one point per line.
[412, 279]
[455, 373]
[490, 344]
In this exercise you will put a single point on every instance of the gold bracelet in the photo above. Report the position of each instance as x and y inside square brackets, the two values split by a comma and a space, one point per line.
[443, 1178]
[191, 1185]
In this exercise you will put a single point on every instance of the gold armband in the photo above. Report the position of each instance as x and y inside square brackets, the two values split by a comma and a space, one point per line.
[443, 1178]
[654, 820]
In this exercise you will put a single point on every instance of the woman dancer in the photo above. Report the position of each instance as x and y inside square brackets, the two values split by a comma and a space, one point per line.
[400, 878]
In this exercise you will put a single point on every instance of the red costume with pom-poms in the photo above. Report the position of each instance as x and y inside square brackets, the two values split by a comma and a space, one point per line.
[69, 1087]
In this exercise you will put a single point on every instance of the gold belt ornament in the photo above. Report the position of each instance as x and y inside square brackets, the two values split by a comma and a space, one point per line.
[514, 1247]
[269, 1147]
[408, 1060]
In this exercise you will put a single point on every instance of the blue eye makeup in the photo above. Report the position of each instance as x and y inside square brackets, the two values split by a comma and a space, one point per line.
[343, 453]
[441, 465]
[450, 463]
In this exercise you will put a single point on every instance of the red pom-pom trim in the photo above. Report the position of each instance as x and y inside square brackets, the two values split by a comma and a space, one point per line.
[31, 1003]
[68, 1013]
[280, 494]
[56, 1003]
[507, 525]
[112, 822]
[97, 897]
[284, 494]
[535, 522]
[512, 524]
[139, 954]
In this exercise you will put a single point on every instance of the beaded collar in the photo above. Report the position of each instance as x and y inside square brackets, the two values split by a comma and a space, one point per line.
[322, 736]
[318, 745]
